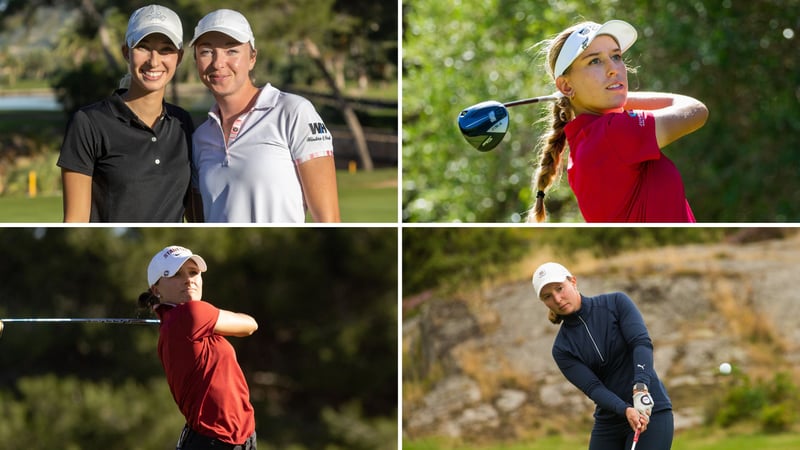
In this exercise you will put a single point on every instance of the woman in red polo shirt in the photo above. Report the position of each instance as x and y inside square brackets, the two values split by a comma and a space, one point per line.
[616, 168]
[200, 364]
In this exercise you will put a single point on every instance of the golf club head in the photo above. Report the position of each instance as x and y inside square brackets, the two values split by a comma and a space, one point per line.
[484, 125]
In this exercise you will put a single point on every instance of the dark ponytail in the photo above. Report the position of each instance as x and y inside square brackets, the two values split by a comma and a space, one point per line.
[147, 300]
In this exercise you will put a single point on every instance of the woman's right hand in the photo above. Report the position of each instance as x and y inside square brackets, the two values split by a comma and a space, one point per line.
[637, 420]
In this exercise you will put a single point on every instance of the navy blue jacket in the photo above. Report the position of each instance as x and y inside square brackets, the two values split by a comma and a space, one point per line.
[604, 349]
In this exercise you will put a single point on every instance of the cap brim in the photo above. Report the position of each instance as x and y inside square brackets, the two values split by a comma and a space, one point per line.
[239, 36]
[623, 32]
[201, 263]
[548, 281]
[144, 32]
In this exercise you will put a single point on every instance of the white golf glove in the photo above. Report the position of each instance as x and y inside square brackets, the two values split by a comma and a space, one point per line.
[642, 401]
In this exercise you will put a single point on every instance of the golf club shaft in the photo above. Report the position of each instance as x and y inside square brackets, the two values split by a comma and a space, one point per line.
[635, 440]
[84, 320]
[528, 101]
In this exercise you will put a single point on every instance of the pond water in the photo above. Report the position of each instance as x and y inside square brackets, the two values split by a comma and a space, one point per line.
[29, 103]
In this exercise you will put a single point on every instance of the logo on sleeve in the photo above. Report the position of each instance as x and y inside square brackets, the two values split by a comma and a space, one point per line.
[319, 132]
[639, 116]
[317, 128]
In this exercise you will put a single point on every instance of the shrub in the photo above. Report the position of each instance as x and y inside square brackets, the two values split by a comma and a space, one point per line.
[769, 402]
[68, 412]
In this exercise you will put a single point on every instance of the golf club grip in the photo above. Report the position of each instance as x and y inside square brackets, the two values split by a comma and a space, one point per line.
[528, 101]
[635, 439]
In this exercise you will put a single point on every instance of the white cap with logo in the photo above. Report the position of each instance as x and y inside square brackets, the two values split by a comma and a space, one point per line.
[225, 21]
[154, 19]
[623, 32]
[168, 262]
[549, 273]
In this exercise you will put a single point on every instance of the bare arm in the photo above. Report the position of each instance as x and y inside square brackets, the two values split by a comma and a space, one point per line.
[77, 189]
[235, 324]
[318, 177]
[676, 115]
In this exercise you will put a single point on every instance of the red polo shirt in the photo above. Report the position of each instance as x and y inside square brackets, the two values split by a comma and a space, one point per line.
[202, 372]
[619, 174]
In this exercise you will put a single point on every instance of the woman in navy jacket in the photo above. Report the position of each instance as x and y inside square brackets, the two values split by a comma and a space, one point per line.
[604, 349]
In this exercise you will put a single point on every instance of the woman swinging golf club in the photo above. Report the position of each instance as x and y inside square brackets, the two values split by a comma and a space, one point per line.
[604, 349]
[202, 372]
[616, 168]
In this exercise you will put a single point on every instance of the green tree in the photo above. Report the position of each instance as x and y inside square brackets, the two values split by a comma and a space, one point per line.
[322, 368]
[736, 57]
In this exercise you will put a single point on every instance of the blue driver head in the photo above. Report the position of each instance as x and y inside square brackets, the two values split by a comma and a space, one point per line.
[484, 125]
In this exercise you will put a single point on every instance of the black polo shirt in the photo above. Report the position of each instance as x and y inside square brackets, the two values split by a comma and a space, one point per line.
[138, 174]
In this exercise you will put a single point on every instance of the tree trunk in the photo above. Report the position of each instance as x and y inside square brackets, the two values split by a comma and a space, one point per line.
[349, 115]
[102, 32]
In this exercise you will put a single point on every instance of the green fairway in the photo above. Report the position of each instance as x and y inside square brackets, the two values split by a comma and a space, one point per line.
[368, 197]
[23, 209]
[694, 440]
[364, 197]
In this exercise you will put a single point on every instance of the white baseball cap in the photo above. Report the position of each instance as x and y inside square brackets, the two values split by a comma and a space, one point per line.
[624, 33]
[168, 262]
[549, 273]
[154, 19]
[226, 21]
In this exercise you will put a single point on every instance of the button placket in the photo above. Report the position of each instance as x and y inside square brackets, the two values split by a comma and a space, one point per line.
[157, 161]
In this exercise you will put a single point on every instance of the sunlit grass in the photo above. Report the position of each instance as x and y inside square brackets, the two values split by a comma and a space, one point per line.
[695, 440]
[364, 197]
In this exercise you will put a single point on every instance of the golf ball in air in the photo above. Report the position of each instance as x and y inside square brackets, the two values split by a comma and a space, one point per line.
[725, 368]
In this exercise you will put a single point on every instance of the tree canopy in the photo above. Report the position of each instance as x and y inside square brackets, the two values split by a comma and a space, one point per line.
[322, 367]
[358, 39]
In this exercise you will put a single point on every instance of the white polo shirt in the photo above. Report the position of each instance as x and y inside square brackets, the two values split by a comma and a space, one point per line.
[254, 177]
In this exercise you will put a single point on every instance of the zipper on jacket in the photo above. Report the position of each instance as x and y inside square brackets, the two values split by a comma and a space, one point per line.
[596, 348]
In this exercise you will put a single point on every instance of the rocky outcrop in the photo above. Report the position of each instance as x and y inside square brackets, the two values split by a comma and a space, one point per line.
[487, 364]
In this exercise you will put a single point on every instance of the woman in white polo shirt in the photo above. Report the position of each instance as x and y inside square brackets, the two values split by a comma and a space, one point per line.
[263, 155]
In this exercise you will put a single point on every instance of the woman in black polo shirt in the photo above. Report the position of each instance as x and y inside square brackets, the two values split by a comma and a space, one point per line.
[127, 158]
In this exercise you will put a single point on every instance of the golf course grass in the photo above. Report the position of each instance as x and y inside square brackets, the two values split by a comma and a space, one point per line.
[698, 439]
[364, 197]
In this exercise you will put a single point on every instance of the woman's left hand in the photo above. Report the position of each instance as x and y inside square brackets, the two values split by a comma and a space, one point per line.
[637, 420]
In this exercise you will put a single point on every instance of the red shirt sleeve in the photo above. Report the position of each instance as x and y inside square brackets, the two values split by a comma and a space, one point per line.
[200, 320]
[634, 136]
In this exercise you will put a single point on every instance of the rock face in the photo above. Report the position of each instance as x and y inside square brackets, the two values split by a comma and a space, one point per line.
[487, 360]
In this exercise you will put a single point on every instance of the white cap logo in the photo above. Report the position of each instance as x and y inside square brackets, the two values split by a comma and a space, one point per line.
[585, 32]
[154, 15]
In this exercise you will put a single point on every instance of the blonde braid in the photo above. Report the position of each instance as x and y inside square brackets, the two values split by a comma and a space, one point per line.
[552, 144]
